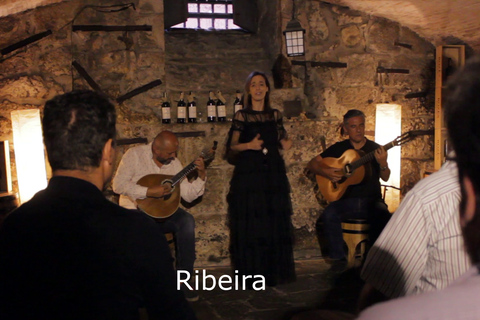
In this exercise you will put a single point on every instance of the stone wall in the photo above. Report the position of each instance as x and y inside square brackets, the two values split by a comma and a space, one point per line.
[203, 61]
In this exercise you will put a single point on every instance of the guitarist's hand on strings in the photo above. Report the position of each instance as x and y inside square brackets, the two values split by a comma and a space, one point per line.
[159, 191]
[200, 164]
[381, 157]
[334, 174]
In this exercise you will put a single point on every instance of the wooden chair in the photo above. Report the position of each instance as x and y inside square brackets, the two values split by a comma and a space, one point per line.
[355, 232]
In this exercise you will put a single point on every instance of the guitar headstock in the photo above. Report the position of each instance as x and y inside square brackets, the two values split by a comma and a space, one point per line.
[410, 135]
[404, 138]
[208, 154]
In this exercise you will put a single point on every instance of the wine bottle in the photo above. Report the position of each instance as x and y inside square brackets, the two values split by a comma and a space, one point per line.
[221, 110]
[237, 104]
[192, 108]
[211, 108]
[181, 110]
[165, 109]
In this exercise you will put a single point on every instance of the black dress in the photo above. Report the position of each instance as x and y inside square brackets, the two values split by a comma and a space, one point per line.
[261, 233]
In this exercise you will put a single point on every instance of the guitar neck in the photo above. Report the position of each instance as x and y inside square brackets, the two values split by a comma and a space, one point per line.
[183, 173]
[369, 157]
[206, 155]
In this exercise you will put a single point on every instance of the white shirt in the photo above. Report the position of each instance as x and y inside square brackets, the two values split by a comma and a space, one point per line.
[459, 301]
[138, 162]
[421, 248]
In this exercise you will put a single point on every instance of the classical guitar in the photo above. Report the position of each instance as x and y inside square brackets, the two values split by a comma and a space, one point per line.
[351, 164]
[165, 206]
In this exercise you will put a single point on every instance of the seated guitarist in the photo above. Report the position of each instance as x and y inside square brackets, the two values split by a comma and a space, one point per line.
[363, 200]
[159, 157]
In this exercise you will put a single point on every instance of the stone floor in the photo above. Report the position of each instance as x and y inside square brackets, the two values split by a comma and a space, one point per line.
[316, 287]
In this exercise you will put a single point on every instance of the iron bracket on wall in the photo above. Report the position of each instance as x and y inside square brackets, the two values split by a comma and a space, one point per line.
[139, 90]
[405, 45]
[94, 27]
[122, 142]
[87, 77]
[188, 134]
[385, 70]
[421, 94]
[328, 64]
[24, 42]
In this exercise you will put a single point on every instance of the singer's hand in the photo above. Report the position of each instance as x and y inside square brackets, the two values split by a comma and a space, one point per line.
[256, 143]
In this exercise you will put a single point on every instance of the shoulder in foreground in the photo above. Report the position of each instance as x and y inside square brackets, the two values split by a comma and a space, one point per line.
[444, 180]
[132, 216]
[454, 302]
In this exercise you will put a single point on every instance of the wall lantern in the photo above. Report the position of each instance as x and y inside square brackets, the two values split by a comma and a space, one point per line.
[294, 36]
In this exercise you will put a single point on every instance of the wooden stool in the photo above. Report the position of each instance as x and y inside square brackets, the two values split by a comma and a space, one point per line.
[355, 232]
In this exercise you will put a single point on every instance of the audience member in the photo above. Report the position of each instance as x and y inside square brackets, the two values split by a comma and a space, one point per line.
[423, 238]
[69, 253]
[459, 300]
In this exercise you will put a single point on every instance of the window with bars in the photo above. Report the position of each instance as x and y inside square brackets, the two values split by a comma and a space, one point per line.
[209, 15]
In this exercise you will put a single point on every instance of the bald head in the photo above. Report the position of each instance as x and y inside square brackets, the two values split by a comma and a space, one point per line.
[164, 147]
[166, 138]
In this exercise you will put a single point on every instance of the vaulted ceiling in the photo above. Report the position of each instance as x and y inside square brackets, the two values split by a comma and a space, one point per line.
[439, 21]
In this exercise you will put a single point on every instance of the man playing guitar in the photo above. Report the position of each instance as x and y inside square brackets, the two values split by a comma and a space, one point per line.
[360, 201]
[159, 157]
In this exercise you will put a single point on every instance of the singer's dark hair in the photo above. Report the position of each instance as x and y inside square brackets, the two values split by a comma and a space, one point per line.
[76, 126]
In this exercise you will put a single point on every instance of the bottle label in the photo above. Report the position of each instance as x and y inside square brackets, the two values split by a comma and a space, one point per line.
[181, 112]
[221, 111]
[238, 107]
[192, 112]
[166, 113]
[211, 112]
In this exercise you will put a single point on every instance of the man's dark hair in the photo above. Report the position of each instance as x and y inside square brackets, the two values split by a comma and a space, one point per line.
[76, 126]
[352, 113]
[462, 116]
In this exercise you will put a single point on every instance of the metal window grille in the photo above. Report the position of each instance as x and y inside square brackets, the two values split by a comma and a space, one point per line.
[209, 15]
